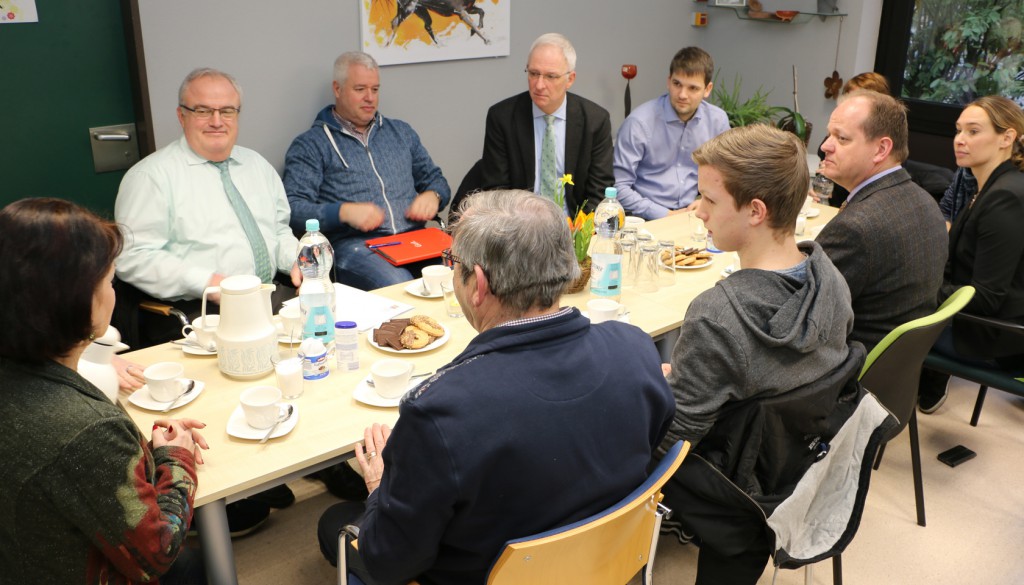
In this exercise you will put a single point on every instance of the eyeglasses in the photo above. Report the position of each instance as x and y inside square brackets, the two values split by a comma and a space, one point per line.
[450, 260]
[203, 112]
[551, 77]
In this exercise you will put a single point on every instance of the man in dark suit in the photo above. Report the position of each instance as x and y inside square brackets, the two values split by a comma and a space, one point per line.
[889, 239]
[577, 131]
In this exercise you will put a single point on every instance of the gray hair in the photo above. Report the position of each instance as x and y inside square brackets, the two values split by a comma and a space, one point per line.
[346, 60]
[207, 72]
[557, 40]
[522, 243]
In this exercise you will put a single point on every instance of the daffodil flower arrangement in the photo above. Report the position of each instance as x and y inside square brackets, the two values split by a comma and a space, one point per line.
[582, 227]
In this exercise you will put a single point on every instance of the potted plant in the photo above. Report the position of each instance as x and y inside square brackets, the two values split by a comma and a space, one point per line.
[753, 110]
[791, 120]
[581, 230]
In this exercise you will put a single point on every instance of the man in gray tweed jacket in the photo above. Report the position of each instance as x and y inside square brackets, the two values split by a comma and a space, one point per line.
[889, 240]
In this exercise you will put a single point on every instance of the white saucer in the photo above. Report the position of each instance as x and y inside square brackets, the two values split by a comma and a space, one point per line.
[623, 318]
[415, 288]
[430, 347]
[195, 349]
[295, 340]
[142, 399]
[813, 212]
[238, 428]
[363, 393]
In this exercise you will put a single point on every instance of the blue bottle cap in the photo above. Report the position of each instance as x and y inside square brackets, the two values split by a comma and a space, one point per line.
[312, 225]
[345, 325]
[610, 192]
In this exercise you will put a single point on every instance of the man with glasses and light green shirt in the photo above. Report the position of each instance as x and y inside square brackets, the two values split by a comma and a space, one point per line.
[534, 138]
[202, 208]
[198, 210]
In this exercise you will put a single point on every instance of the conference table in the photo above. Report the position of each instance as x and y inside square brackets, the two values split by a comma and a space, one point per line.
[330, 421]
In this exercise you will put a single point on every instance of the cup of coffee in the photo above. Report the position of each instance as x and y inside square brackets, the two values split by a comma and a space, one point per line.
[203, 331]
[290, 323]
[433, 276]
[261, 405]
[164, 381]
[390, 377]
[601, 310]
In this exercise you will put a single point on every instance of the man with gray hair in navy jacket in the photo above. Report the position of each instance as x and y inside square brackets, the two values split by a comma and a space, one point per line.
[362, 176]
[544, 418]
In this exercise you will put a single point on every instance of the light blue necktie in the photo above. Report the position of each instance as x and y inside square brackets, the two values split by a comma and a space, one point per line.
[263, 266]
[548, 163]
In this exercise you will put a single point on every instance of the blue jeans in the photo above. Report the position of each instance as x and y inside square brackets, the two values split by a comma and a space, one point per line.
[359, 267]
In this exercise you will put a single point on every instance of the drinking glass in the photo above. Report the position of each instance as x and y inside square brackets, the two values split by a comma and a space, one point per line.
[698, 233]
[647, 268]
[629, 254]
[822, 187]
[666, 267]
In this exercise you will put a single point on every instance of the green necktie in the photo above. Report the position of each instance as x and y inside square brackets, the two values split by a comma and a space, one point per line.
[548, 163]
[263, 266]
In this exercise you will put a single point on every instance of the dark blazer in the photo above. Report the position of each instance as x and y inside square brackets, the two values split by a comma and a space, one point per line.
[509, 163]
[890, 243]
[986, 251]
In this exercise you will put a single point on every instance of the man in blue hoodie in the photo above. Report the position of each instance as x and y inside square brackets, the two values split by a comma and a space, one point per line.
[362, 175]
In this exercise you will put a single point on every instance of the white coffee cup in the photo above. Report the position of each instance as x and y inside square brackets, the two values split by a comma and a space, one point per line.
[391, 377]
[290, 320]
[203, 331]
[636, 222]
[164, 381]
[261, 405]
[433, 276]
[601, 310]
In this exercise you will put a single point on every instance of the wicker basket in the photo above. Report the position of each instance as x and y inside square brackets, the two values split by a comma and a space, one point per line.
[583, 281]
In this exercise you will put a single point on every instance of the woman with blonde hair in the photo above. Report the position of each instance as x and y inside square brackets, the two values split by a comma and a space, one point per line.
[986, 249]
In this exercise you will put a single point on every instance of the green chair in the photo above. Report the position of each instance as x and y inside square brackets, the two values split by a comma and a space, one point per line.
[892, 372]
[986, 377]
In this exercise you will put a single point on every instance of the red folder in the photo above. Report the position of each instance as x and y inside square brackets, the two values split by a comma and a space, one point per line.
[413, 246]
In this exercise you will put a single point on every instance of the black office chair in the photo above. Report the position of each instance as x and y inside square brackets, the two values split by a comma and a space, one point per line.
[470, 184]
[128, 317]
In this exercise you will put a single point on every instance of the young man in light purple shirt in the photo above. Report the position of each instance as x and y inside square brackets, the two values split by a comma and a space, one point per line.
[654, 172]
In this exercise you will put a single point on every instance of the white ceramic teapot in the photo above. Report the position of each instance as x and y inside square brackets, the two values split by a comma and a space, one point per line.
[95, 366]
[246, 336]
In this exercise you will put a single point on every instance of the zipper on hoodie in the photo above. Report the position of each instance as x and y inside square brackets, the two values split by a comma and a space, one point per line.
[373, 165]
[383, 192]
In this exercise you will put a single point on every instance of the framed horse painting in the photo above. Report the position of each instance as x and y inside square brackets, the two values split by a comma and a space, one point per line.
[414, 31]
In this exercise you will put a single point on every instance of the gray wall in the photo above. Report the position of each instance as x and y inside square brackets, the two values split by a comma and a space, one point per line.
[763, 53]
[283, 57]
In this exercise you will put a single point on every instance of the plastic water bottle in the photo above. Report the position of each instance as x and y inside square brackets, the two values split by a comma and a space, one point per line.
[316, 293]
[610, 211]
[606, 264]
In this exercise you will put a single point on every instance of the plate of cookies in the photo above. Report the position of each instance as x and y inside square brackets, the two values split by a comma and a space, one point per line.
[414, 334]
[688, 258]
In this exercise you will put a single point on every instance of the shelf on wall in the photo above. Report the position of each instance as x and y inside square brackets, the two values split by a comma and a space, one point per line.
[743, 13]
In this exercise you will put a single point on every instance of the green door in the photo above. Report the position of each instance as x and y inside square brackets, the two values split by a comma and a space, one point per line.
[59, 77]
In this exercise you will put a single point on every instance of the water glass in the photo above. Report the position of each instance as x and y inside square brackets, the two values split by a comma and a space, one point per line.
[647, 268]
[629, 257]
[627, 234]
[451, 303]
[698, 233]
[822, 187]
[666, 266]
